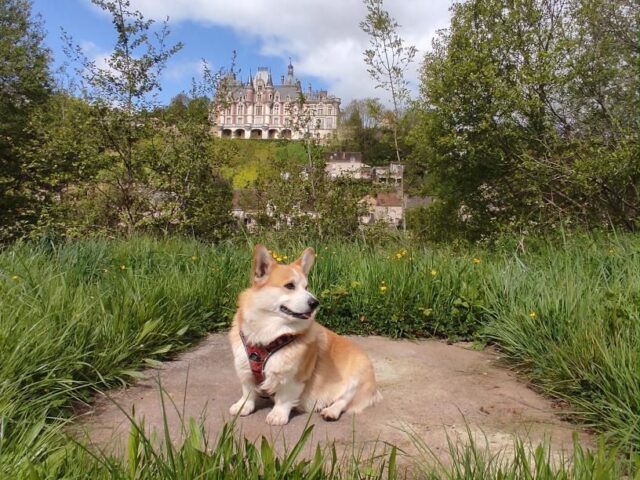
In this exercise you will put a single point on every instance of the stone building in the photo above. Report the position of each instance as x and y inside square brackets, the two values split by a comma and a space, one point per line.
[260, 109]
[347, 164]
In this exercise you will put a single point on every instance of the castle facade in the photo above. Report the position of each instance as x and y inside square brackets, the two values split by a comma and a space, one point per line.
[260, 109]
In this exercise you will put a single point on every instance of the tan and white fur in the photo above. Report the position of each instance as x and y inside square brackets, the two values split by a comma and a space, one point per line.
[319, 370]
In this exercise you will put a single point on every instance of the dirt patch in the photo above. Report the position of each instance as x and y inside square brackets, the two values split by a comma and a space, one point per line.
[431, 389]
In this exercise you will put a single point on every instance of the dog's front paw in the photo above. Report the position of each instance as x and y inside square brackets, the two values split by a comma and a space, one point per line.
[242, 407]
[331, 413]
[277, 417]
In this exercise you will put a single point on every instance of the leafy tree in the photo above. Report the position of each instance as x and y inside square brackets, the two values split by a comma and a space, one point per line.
[123, 95]
[305, 202]
[25, 85]
[387, 58]
[63, 163]
[362, 129]
[526, 117]
[191, 194]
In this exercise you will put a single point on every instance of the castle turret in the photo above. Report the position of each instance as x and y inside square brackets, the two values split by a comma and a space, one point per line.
[249, 90]
[290, 73]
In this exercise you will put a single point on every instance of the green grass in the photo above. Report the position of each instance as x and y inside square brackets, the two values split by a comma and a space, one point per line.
[81, 316]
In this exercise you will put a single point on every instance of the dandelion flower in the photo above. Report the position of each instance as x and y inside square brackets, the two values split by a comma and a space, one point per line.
[123, 267]
[434, 273]
[285, 257]
[194, 258]
[15, 278]
[383, 288]
[476, 260]
[533, 314]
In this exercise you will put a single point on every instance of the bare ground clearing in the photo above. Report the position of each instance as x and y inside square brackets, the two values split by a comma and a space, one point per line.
[431, 388]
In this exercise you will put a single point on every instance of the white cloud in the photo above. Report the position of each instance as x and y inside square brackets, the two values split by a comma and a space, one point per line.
[322, 36]
[185, 69]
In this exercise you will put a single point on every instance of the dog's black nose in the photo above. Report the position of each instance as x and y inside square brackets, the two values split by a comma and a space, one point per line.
[313, 303]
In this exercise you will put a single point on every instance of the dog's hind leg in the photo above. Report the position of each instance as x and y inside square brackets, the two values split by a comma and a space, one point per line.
[333, 411]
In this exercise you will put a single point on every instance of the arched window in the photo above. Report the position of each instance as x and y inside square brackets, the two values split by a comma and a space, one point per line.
[276, 109]
[259, 97]
[240, 109]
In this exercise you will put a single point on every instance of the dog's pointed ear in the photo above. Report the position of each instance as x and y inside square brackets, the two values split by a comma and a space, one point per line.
[306, 260]
[263, 263]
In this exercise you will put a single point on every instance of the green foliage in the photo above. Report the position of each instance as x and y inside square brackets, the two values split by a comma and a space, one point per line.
[190, 194]
[121, 97]
[25, 86]
[387, 59]
[529, 117]
[302, 201]
[361, 131]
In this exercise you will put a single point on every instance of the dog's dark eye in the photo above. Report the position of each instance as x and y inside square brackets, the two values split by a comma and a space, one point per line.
[290, 286]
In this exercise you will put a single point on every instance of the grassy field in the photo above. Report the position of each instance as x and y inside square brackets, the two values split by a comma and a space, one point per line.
[83, 316]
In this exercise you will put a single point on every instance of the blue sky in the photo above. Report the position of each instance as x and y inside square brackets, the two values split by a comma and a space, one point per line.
[321, 36]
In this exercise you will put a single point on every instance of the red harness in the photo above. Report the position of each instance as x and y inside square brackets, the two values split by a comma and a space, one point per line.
[259, 354]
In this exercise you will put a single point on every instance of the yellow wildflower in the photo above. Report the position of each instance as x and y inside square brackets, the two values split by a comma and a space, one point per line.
[398, 255]
[15, 278]
[194, 258]
[533, 314]
[123, 267]
[105, 270]
[476, 260]
[434, 273]
[355, 284]
[285, 257]
[383, 288]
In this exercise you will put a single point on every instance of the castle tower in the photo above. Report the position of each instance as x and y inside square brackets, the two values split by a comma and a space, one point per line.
[290, 73]
[249, 90]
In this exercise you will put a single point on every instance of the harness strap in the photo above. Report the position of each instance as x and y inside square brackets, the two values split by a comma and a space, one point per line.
[259, 354]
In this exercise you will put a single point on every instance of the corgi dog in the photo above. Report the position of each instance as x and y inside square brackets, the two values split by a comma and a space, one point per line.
[281, 352]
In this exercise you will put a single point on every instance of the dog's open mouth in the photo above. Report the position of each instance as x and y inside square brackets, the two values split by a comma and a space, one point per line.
[302, 316]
